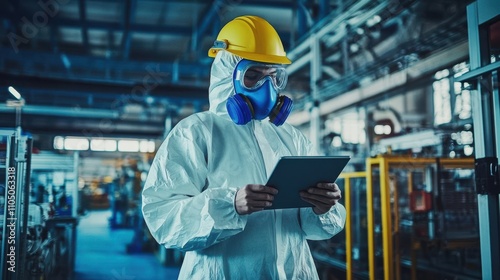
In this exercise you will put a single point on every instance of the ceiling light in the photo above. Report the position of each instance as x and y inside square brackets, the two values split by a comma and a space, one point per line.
[15, 93]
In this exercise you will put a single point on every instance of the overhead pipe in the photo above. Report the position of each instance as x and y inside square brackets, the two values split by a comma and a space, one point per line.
[336, 21]
[64, 112]
[335, 25]
[314, 58]
[385, 84]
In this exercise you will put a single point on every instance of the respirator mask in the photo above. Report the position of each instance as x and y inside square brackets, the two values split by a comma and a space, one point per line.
[256, 96]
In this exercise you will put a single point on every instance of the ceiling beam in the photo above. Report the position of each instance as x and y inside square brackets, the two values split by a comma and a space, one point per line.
[130, 7]
[134, 28]
[83, 21]
[114, 26]
[53, 38]
[324, 9]
[104, 127]
[201, 27]
[16, 13]
[142, 28]
[134, 91]
[130, 70]
[266, 3]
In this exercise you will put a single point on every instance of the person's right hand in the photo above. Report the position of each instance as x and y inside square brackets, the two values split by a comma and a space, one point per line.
[252, 198]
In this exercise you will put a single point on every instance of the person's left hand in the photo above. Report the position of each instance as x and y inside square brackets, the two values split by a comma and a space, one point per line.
[323, 196]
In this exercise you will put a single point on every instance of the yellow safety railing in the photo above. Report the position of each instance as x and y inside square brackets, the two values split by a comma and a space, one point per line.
[347, 176]
[390, 213]
[381, 170]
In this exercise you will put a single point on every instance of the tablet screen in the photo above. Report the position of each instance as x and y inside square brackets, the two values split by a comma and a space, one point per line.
[294, 174]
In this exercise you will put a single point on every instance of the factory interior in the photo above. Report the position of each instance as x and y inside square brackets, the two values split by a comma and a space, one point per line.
[408, 89]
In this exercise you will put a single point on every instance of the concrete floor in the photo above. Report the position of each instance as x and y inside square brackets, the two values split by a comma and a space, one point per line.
[101, 253]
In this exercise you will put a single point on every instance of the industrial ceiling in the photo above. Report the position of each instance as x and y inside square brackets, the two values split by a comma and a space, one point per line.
[121, 68]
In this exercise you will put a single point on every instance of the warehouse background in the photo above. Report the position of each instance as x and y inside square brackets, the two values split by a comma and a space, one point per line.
[101, 83]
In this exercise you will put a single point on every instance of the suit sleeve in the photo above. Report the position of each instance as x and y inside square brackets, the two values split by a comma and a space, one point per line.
[179, 208]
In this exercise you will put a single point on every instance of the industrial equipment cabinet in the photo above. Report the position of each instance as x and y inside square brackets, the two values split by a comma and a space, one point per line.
[63, 224]
[414, 203]
[397, 210]
[36, 244]
[15, 160]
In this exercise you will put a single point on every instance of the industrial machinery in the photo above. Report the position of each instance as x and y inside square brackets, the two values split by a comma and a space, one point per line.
[408, 218]
[125, 201]
[124, 194]
[56, 194]
[39, 231]
[15, 163]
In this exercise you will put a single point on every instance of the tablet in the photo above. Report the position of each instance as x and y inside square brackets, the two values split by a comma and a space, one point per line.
[293, 174]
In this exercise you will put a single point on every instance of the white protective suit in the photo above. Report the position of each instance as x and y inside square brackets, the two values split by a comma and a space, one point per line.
[189, 194]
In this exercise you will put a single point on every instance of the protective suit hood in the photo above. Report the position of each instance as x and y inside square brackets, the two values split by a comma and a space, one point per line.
[221, 81]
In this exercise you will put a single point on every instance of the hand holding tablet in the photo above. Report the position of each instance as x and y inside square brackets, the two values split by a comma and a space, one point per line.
[323, 196]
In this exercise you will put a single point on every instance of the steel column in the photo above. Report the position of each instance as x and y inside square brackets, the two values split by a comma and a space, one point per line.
[486, 117]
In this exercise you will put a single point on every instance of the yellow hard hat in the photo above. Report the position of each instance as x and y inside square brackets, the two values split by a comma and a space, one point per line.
[252, 38]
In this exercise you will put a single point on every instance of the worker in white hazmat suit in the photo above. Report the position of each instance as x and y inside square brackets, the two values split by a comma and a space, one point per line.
[205, 191]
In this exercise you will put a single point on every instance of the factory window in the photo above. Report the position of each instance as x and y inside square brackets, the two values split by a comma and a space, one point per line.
[76, 143]
[147, 146]
[59, 143]
[463, 106]
[350, 128]
[442, 103]
[128, 146]
[104, 145]
[353, 131]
